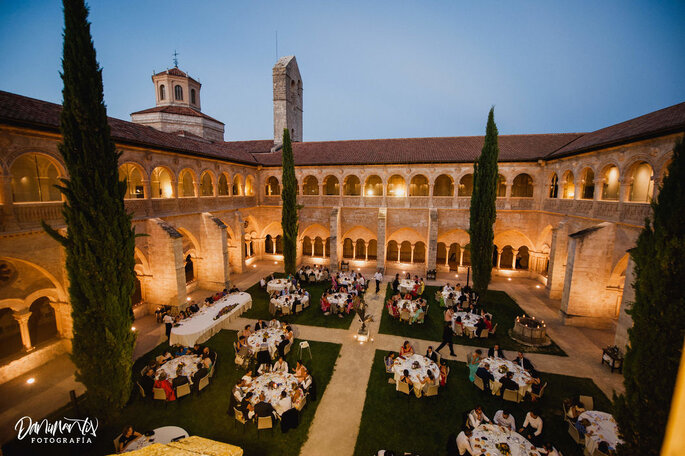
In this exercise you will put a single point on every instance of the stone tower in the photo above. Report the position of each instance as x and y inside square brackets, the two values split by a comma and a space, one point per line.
[287, 99]
[177, 110]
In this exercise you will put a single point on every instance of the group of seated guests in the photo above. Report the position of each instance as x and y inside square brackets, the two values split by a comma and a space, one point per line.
[531, 430]
[429, 380]
[457, 295]
[574, 408]
[507, 381]
[402, 311]
[169, 385]
[417, 289]
[292, 299]
[484, 322]
[308, 273]
[243, 349]
[244, 400]
[340, 282]
[340, 307]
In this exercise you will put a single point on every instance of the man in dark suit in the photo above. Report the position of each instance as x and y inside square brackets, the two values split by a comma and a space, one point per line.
[480, 327]
[281, 346]
[180, 378]
[430, 354]
[263, 408]
[447, 338]
[508, 383]
[259, 325]
[496, 352]
[484, 373]
[523, 362]
[147, 381]
[201, 373]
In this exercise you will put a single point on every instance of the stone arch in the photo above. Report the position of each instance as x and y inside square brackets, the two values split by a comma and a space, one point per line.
[610, 178]
[331, 185]
[142, 265]
[465, 187]
[545, 238]
[522, 186]
[352, 185]
[162, 182]
[187, 183]
[373, 186]
[459, 236]
[406, 234]
[207, 183]
[515, 238]
[618, 272]
[639, 175]
[223, 187]
[396, 186]
[60, 291]
[568, 185]
[310, 185]
[314, 230]
[360, 232]
[553, 189]
[272, 186]
[33, 176]
[274, 229]
[443, 185]
[587, 183]
[135, 188]
[249, 185]
[419, 185]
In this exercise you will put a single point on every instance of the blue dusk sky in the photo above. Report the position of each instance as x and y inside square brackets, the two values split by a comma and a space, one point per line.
[373, 69]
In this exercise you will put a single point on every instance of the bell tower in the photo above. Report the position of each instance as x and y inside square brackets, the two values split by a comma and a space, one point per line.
[287, 99]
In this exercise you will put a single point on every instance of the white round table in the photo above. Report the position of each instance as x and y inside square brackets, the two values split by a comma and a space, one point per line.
[486, 437]
[161, 435]
[416, 374]
[521, 377]
[273, 336]
[406, 286]
[318, 274]
[455, 298]
[337, 299]
[345, 279]
[469, 320]
[189, 368]
[289, 300]
[602, 427]
[278, 285]
[272, 393]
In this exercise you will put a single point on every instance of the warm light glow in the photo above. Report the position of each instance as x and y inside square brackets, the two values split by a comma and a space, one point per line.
[30, 381]
[456, 275]
[537, 286]
[254, 266]
[509, 279]
[133, 328]
[275, 262]
[188, 299]
[369, 192]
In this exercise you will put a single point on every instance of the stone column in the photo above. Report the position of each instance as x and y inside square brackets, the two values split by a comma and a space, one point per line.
[215, 264]
[238, 250]
[411, 258]
[499, 258]
[513, 258]
[432, 245]
[382, 227]
[334, 228]
[22, 318]
[461, 256]
[61, 313]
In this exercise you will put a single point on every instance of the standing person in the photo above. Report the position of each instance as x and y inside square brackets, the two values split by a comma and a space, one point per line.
[473, 361]
[446, 339]
[378, 277]
[396, 284]
[168, 322]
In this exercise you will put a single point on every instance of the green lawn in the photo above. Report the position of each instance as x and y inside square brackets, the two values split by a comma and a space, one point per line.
[503, 309]
[205, 414]
[422, 426]
[311, 316]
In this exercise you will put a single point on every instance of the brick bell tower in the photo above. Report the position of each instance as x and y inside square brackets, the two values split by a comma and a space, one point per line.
[287, 99]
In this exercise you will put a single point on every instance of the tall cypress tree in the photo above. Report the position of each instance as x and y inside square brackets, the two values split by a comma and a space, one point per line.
[655, 341]
[99, 240]
[483, 213]
[289, 209]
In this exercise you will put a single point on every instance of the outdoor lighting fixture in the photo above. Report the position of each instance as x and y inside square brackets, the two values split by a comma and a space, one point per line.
[537, 286]
[275, 262]
[188, 299]
[30, 381]
[254, 266]
[133, 328]
[456, 275]
[362, 338]
[509, 279]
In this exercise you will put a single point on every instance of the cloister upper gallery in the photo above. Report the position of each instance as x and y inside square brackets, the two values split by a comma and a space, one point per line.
[569, 206]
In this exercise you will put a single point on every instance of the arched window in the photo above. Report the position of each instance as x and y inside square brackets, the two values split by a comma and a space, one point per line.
[310, 186]
[348, 248]
[327, 247]
[189, 269]
[587, 183]
[162, 92]
[206, 185]
[393, 252]
[441, 253]
[237, 185]
[331, 186]
[223, 185]
[443, 186]
[161, 183]
[465, 185]
[268, 244]
[373, 186]
[279, 244]
[454, 256]
[34, 177]
[178, 93]
[507, 258]
[249, 186]
[419, 252]
[272, 187]
[42, 322]
[396, 186]
[418, 186]
[568, 190]
[307, 246]
[130, 173]
[352, 186]
[405, 252]
[554, 186]
[522, 258]
[186, 186]
[11, 335]
[641, 183]
[610, 186]
[372, 249]
[318, 247]
[360, 250]
[522, 186]
[192, 96]
[501, 186]
[466, 256]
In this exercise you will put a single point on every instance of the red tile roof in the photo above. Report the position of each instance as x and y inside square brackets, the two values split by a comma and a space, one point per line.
[181, 110]
[658, 123]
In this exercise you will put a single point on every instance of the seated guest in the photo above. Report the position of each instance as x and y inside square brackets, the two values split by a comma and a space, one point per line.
[448, 314]
[481, 327]
[549, 450]
[444, 371]
[464, 443]
[247, 378]
[582, 426]
[389, 362]
[197, 349]
[263, 408]
[280, 366]
[166, 357]
[508, 383]
[242, 348]
[290, 335]
[406, 349]
[488, 322]
[505, 419]
[496, 352]
[284, 404]
[404, 378]
[126, 437]
[234, 289]
[298, 395]
[264, 368]
[201, 373]
[208, 352]
[245, 406]
[575, 410]
[281, 346]
[523, 361]
[430, 354]
[207, 361]
[429, 380]
[532, 427]
[325, 305]
[180, 378]
[476, 417]
[419, 315]
[259, 325]
[165, 384]
[247, 331]
[484, 373]
[535, 383]
[274, 323]
[147, 381]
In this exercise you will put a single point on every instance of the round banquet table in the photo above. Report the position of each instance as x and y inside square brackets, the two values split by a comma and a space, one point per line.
[446, 295]
[345, 279]
[318, 274]
[602, 427]
[520, 375]
[412, 306]
[469, 320]
[418, 374]
[278, 285]
[485, 438]
[406, 286]
[260, 384]
[161, 435]
[273, 336]
[288, 300]
[337, 299]
[189, 368]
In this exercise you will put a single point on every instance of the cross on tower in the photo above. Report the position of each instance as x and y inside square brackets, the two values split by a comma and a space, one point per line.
[175, 59]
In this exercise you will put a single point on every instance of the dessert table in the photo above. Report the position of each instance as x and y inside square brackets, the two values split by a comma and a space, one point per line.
[495, 440]
[416, 374]
[203, 325]
[278, 285]
[521, 377]
[160, 435]
[602, 427]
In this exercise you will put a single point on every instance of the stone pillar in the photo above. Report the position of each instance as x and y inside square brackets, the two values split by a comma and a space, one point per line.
[334, 228]
[22, 318]
[382, 227]
[165, 244]
[237, 251]
[499, 258]
[461, 256]
[354, 250]
[411, 260]
[215, 264]
[513, 258]
[625, 321]
[8, 221]
[63, 318]
[432, 245]
[557, 261]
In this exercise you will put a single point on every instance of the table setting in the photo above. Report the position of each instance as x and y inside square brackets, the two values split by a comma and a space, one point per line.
[189, 366]
[495, 440]
[161, 435]
[602, 427]
[406, 286]
[499, 368]
[337, 299]
[273, 336]
[278, 285]
[271, 384]
[468, 320]
[417, 365]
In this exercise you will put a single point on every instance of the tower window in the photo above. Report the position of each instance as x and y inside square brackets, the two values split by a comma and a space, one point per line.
[192, 96]
[178, 93]
[162, 92]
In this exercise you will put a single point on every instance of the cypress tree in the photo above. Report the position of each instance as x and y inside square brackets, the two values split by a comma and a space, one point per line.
[99, 240]
[482, 215]
[655, 341]
[289, 208]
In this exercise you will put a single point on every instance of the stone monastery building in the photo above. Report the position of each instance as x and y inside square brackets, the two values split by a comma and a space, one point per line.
[568, 209]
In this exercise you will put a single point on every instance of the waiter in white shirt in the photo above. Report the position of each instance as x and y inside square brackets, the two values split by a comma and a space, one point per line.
[378, 277]
[169, 322]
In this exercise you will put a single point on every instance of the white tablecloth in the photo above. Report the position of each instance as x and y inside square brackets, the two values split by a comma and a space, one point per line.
[260, 384]
[469, 320]
[201, 326]
[161, 435]
[318, 273]
[289, 300]
[273, 336]
[337, 299]
[345, 279]
[602, 427]
[406, 286]
[520, 375]
[446, 295]
[485, 438]
[418, 374]
[278, 285]
[170, 366]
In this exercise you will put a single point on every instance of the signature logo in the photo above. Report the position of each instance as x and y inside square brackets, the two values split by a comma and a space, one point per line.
[65, 430]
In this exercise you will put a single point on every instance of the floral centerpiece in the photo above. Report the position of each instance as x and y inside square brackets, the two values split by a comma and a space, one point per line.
[503, 369]
[504, 449]
[415, 365]
[225, 310]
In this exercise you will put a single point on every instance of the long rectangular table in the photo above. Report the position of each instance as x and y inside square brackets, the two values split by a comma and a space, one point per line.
[201, 326]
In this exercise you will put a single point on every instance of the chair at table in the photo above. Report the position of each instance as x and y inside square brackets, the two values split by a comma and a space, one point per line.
[286, 350]
[484, 334]
[422, 317]
[511, 395]
[431, 390]
[239, 418]
[402, 387]
[575, 435]
[211, 369]
[285, 310]
[305, 304]
[459, 330]
[404, 315]
[479, 383]
[182, 390]
[588, 403]
[203, 383]
[159, 394]
[264, 422]
[141, 390]
[298, 308]
[494, 328]
[302, 404]
[539, 395]
[116, 443]
[495, 386]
